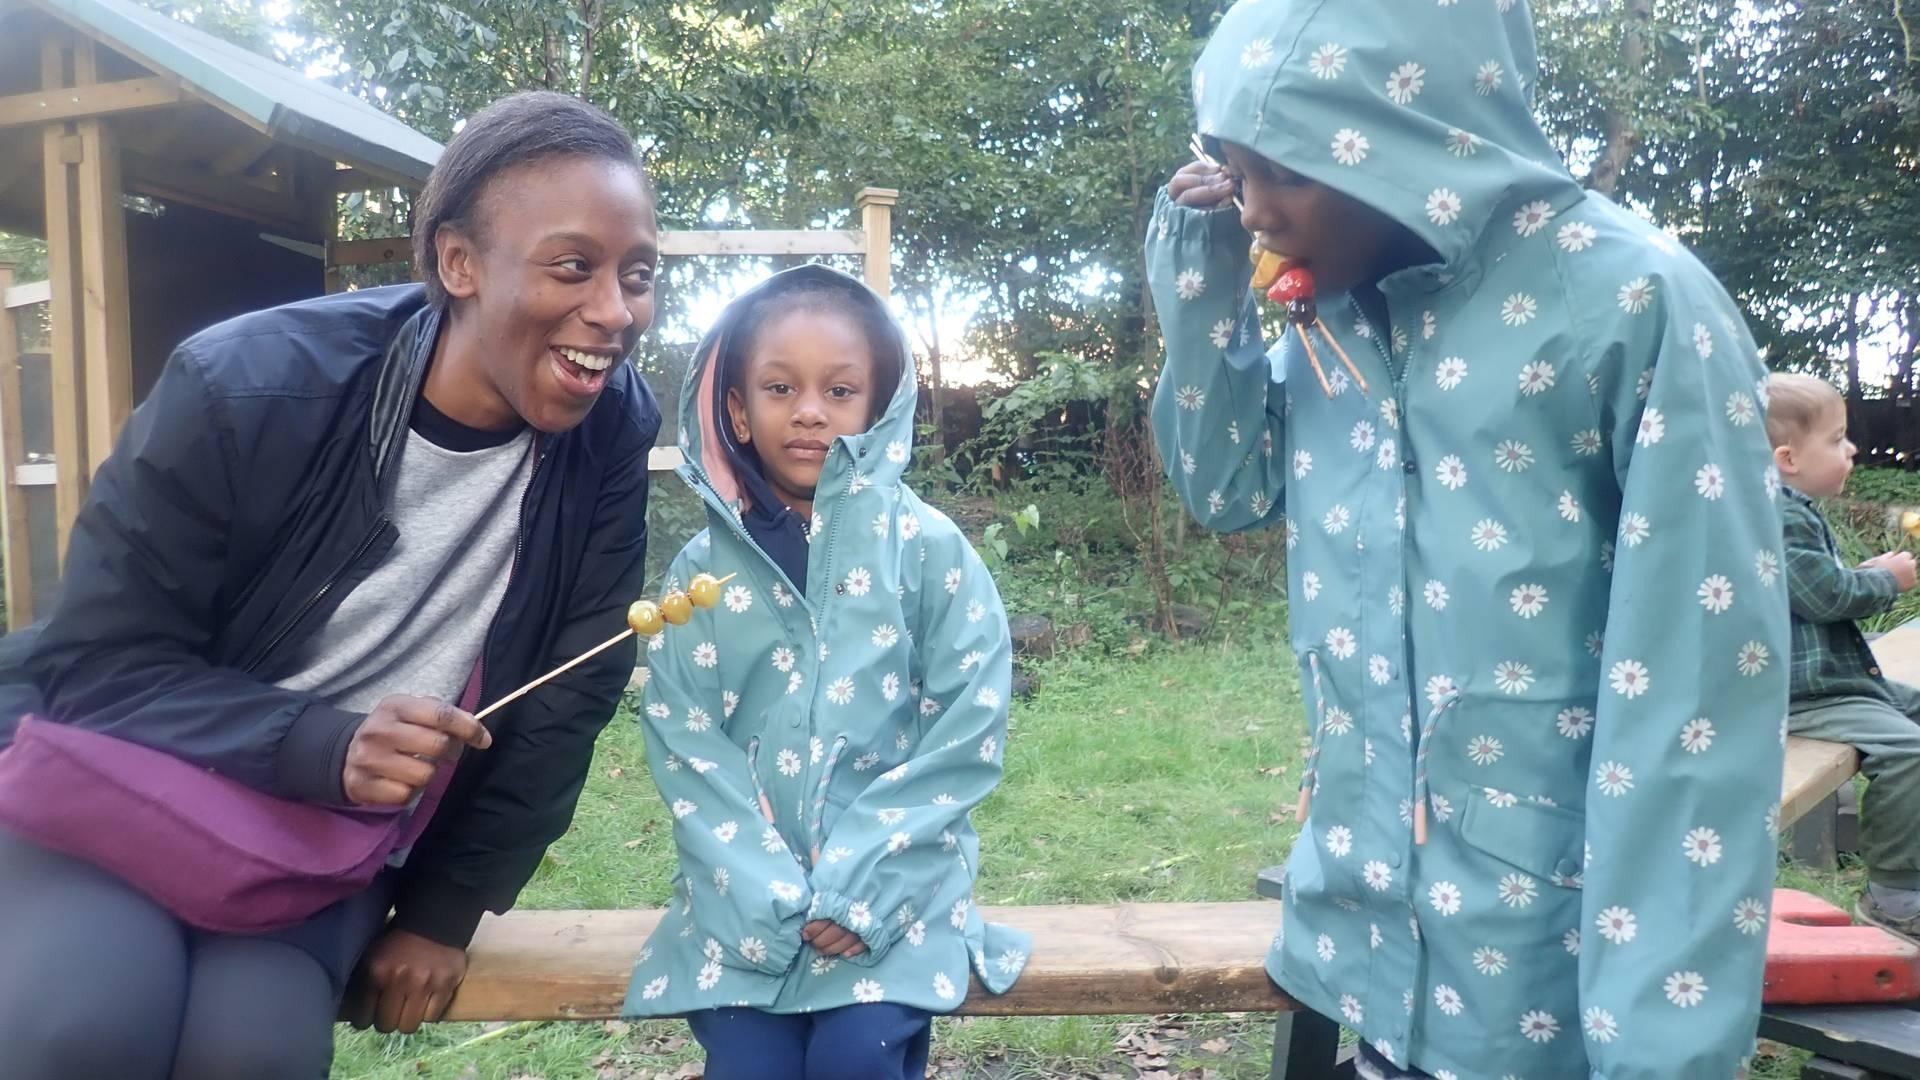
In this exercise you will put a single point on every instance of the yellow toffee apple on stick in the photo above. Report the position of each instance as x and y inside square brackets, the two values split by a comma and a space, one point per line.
[645, 618]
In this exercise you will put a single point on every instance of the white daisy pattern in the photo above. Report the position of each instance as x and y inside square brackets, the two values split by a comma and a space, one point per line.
[1629, 678]
[1536, 378]
[1613, 778]
[1512, 676]
[1519, 309]
[1575, 237]
[1532, 217]
[1697, 736]
[1339, 841]
[1618, 925]
[1350, 147]
[1528, 601]
[1635, 296]
[1406, 83]
[1685, 989]
[1328, 61]
[1512, 455]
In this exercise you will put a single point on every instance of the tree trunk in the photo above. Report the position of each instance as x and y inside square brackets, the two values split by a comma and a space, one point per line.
[1910, 324]
[1853, 347]
[1622, 136]
[936, 382]
[590, 12]
[550, 54]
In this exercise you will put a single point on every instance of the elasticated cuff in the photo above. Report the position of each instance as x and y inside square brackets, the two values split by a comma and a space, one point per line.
[313, 755]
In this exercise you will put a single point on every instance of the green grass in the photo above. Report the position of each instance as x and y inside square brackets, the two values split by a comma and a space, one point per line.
[1126, 780]
[1885, 485]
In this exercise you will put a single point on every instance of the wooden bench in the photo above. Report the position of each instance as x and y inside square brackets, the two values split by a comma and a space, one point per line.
[1103, 959]
[1816, 771]
[1093, 959]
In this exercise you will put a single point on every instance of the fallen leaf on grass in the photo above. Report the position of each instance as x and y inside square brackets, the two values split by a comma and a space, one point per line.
[1216, 1046]
[616, 773]
[631, 844]
[1273, 770]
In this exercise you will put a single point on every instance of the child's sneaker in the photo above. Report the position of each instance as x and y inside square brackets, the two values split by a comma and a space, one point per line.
[1868, 911]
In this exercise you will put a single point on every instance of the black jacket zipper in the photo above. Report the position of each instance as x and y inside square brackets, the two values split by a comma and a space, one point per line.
[380, 525]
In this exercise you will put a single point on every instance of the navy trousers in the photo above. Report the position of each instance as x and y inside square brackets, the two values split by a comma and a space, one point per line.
[858, 1042]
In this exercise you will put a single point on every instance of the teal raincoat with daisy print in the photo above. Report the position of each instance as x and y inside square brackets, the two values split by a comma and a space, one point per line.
[871, 716]
[1534, 564]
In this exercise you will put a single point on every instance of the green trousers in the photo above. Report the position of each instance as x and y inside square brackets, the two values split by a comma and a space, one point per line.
[1887, 734]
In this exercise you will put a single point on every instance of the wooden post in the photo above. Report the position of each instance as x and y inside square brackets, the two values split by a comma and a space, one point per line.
[876, 220]
[318, 187]
[106, 329]
[62, 152]
[16, 552]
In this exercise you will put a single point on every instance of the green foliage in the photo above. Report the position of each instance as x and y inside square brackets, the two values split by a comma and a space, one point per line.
[27, 254]
[1900, 487]
[1865, 530]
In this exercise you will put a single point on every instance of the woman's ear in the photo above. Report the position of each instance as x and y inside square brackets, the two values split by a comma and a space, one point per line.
[737, 415]
[458, 262]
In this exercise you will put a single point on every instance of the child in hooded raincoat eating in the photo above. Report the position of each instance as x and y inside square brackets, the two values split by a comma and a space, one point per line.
[1533, 550]
[822, 733]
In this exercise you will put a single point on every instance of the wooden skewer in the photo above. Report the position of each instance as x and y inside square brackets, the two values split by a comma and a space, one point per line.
[1200, 154]
[576, 661]
[1314, 359]
[568, 666]
[1344, 358]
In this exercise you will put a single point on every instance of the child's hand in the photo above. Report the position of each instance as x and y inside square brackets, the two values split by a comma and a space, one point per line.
[829, 938]
[1201, 186]
[1901, 564]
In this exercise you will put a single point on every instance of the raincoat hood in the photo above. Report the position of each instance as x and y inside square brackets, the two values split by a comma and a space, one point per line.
[1420, 111]
[716, 460]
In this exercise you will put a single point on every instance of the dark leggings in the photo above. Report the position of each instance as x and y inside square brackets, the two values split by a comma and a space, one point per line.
[97, 980]
[881, 1041]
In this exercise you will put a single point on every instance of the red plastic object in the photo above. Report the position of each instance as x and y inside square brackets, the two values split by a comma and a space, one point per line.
[1294, 284]
[1817, 956]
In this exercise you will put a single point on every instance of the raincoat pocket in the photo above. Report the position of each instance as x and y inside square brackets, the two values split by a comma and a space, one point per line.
[1548, 842]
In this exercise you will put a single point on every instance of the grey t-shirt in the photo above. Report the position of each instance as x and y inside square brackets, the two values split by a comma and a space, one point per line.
[417, 623]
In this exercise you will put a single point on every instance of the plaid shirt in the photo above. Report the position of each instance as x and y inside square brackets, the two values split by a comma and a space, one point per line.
[1830, 654]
